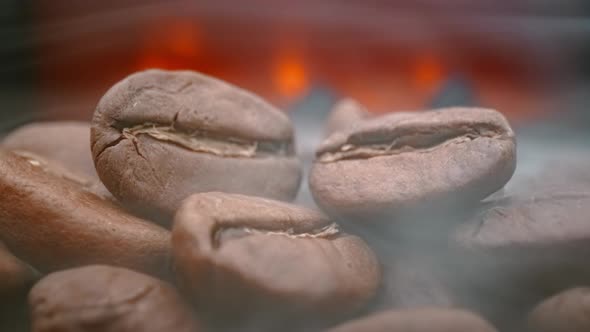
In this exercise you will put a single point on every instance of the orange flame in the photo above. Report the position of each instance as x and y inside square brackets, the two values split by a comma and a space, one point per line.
[184, 38]
[427, 72]
[171, 44]
[290, 74]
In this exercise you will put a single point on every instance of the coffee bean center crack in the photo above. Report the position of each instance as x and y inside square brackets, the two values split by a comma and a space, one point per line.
[223, 233]
[206, 142]
[393, 143]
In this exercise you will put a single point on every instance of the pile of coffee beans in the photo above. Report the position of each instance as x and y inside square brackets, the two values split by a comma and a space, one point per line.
[171, 211]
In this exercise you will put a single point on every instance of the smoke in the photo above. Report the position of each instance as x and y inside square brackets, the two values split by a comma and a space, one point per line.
[422, 263]
[416, 256]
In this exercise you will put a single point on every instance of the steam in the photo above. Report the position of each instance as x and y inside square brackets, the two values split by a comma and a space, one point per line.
[422, 265]
[420, 244]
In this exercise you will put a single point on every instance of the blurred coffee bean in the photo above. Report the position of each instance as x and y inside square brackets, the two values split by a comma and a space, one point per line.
[104, 298]
[568, 311]
[520, 249]
[418, 320]
[66, 142]
[263, 264]
[402, 162]
[546, 232]
[53, 223]
[16, 277]
[345, 114]
[160, 136]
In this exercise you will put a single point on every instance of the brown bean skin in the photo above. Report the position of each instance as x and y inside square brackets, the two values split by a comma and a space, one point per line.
[15, 275]
[265, 262]
[564, 312]
[545, 231]
[401, 162]
[158, 136]
[418, 320]
[521, 248]
[104, 298]
[66, 142]
[16, 278]
[54, 223]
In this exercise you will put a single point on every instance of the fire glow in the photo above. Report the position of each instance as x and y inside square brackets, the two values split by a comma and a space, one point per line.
[283, 67]
[290, 75]
[428, 72]
[174, 44]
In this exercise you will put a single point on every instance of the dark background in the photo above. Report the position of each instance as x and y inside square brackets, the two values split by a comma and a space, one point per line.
[16, 64]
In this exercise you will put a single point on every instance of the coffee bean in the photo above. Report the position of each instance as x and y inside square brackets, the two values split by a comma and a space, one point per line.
[159, 136]
[16, 277]
[261, 261]
[57, 169]
[66, 142]
[564, 312]
[53, 223]
[412, 162]
[520, 249]
[418, 320]
[344, 115]
[544, 231]
[63, 147]
[104, 298]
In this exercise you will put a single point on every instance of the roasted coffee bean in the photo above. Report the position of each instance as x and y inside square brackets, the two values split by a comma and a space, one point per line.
[62, 148]
[159, 136]
[66, 142]
[90, 184]
[542, 231]
[568, 311]
[104, 298]
[345, 114]
[412, 162]
[16, 277]
[53, 223]
[520, 249]
[267, 263]
[418, 320]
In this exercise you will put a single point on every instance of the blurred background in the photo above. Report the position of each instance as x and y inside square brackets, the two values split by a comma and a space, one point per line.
[527, 58]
